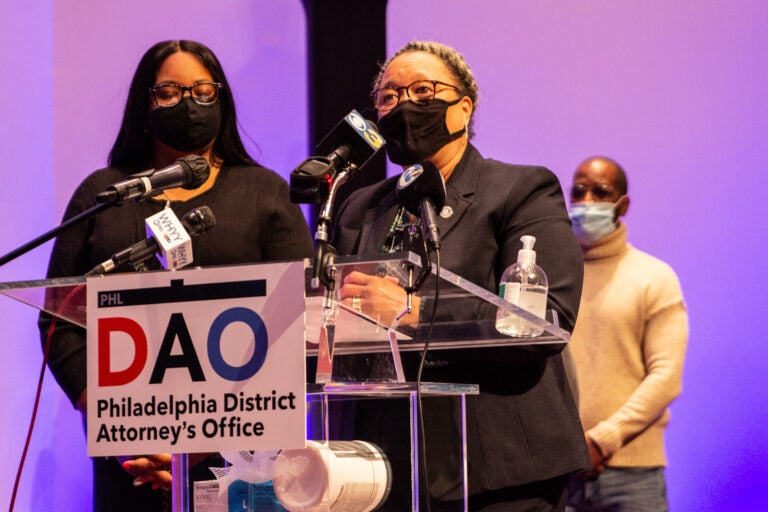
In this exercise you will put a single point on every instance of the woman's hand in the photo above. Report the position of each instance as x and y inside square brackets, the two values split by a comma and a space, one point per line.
[381, 298]
[152, 469]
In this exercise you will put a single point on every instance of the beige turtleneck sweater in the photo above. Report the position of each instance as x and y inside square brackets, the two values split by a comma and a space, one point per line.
[628, 347]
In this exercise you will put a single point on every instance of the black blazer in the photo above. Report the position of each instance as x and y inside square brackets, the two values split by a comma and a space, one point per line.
[524, 425]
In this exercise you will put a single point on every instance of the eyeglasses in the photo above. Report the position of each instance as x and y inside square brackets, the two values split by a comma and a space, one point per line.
[387, 98]
[600, 192]
[203, 93]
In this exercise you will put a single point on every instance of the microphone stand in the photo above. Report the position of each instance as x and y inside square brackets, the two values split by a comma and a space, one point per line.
[90, 212]
[324, 272]
[417, 244]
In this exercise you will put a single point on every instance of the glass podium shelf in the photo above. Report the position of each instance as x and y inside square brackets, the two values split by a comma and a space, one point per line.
[390, 389]
[465, 315]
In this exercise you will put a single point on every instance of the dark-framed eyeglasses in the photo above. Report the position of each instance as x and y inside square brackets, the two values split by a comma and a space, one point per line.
[599, 191]
[203, 93]
[386, 98]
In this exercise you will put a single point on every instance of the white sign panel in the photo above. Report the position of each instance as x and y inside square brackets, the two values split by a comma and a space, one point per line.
[201, 360]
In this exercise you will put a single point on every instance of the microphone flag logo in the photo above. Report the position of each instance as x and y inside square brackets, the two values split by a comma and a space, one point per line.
[409, 176]
[365, 129]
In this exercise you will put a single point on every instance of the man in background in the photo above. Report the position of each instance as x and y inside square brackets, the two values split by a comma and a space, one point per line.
[628, 348]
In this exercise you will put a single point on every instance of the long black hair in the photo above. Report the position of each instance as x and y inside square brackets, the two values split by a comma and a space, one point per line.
[133, 149]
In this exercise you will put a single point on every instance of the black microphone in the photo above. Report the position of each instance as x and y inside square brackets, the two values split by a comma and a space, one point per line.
[198, 220]
[188, 172]
[421, 191]
[172, 246]
[350, 145]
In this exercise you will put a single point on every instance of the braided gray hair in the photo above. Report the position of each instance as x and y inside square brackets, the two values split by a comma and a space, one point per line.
[456, 65]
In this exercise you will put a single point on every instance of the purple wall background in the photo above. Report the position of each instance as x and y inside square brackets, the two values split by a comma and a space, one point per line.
[674, 90]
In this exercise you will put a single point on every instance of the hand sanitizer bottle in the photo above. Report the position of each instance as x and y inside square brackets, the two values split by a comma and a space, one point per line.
[524, 284]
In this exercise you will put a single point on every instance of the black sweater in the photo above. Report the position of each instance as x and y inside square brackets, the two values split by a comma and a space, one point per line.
[255, 221]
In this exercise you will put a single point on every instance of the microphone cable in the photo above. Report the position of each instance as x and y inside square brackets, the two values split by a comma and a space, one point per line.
[422, 360]
[38, 392]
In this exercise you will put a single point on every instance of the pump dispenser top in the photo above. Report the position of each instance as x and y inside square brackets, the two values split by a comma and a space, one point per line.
[526, 255]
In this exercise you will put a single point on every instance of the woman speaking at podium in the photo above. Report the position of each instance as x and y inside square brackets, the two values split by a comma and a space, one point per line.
[523, 431]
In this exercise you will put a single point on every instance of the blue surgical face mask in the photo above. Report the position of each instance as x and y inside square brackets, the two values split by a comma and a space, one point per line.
[592, 221]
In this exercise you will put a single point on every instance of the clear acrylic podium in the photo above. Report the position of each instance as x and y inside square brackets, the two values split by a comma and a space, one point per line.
[465, 318]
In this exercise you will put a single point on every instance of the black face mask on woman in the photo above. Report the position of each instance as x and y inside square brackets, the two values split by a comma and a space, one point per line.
[414, 131]
[185, 126]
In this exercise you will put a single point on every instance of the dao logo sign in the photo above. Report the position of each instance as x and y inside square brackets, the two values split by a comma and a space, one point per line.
[177, 349]
[207, 360]
[409, 176]
[365, 129]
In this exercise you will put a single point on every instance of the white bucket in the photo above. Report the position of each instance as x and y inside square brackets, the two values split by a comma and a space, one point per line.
[338, 476]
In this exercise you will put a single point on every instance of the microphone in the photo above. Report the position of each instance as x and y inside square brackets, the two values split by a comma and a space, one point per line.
[188, 172]
[169, 238]
[350, 145]
[421, 191]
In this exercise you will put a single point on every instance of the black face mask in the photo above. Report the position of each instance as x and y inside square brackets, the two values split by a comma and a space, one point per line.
[185, 126]
[414, 131]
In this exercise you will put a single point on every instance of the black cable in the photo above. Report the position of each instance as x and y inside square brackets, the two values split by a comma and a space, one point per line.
[420, 410]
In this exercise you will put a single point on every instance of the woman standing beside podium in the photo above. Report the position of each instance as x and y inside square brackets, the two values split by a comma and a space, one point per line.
[179, 103]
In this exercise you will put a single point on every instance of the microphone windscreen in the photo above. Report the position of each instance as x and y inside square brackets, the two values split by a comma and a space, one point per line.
[198, 220]
[196, 170]
[418, 182]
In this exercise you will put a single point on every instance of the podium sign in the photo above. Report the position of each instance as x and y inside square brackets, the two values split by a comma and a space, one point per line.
[197, 361]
